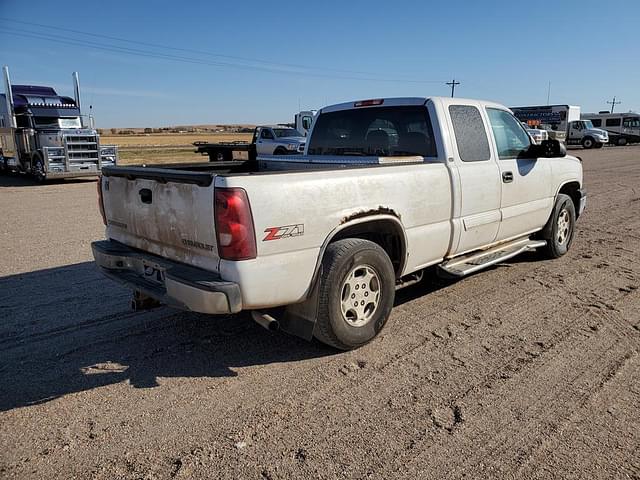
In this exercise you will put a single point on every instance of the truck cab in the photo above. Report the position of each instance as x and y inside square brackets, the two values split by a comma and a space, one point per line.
[303, 120]
[278, 140]
[582, 132]
[44, 134]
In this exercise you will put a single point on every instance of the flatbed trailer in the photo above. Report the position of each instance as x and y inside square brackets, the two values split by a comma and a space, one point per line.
[223, 152]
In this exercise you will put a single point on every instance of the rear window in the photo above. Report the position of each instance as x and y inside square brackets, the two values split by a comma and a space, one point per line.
[402, 131]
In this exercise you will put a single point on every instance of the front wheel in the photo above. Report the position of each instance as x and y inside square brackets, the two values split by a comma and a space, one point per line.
[280, 151]
[357, 291]
[559, 230]
[37, 169]
[599, 145]
[588, 142]
[621, 142]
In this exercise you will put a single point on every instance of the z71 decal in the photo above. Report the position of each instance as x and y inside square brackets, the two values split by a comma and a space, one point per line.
[286, 231]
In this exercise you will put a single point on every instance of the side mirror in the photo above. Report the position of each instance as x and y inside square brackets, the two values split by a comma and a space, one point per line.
[548, 149]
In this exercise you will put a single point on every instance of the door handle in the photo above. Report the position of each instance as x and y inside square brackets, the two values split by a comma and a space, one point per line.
[507, 177]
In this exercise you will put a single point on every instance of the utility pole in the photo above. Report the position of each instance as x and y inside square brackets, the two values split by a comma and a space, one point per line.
[613, 103]
[453, 84]
[548, 92]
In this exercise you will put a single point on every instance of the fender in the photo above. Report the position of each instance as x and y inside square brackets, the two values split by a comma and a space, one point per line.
[350, 223]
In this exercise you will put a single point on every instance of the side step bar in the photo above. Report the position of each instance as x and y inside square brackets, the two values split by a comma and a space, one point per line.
[472, 262]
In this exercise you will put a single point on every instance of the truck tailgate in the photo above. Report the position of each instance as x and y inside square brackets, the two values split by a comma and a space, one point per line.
[166, 212]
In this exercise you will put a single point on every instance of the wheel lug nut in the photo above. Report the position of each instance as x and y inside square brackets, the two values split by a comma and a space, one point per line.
[366, 294]
[353, 295]
[362, 303]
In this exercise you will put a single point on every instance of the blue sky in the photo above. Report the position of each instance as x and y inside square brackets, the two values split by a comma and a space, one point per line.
[276, 56]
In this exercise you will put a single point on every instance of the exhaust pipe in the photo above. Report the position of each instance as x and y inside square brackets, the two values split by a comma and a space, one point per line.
[9, 97]
[76, 89]
[265, 320]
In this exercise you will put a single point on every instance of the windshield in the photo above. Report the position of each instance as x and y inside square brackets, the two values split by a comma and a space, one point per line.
[588, 124]
[402, 131]
[286, 132]
[57, 122]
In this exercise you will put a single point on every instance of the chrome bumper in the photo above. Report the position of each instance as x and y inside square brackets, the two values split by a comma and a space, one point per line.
[175, 284]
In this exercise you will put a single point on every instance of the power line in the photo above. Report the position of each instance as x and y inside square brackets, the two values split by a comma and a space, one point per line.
[276, 67]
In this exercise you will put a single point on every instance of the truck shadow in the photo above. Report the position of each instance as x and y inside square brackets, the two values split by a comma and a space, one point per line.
[69, 329]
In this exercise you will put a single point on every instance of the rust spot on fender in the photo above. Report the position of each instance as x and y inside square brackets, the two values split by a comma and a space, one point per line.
[367, 213]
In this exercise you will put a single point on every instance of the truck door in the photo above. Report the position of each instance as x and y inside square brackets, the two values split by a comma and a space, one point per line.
[479, 179]
[264, 145]
[527, 195]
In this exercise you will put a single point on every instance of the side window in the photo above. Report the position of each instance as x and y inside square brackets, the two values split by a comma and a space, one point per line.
[306, 122]
[631, 122]
[468, 127]
[22, 121]
[613, 122]
[597, 122]
[511, 139]
[266, 133]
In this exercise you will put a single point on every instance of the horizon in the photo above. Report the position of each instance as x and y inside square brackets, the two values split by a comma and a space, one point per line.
[249, 69]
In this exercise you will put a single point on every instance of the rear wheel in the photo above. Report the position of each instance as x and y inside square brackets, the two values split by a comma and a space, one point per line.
[357, 291]
[588, 142]
[559, 230]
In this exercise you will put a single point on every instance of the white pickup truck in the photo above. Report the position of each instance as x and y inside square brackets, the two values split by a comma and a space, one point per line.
[318, 244]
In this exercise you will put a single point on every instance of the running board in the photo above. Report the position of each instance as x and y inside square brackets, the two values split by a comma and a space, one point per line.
[472, 262]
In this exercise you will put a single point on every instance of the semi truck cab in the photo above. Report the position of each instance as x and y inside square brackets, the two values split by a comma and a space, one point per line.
[44, 134]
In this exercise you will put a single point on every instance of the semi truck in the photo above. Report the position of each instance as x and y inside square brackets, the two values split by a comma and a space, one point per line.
[563, 123]
[44, 134]
[317, 244]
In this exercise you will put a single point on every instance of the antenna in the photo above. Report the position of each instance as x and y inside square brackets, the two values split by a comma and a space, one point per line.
[613, 103]
[453, 84]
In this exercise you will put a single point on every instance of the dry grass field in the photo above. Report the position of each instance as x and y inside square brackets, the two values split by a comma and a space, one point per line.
[166, 148]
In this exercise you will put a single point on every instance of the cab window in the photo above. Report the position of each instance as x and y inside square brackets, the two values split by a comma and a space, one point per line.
[306, 122]
[471, 138]
[266, 133]
[631, 122]
[511, 139]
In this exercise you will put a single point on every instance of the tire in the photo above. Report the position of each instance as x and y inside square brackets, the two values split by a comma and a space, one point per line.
[280, 151]
[559, 230]
[588, 142]
[621, 142]
[599, 145]
[347, 266]
[37, 169]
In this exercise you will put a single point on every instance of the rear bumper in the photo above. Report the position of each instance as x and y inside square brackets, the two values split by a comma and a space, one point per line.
[175, 284]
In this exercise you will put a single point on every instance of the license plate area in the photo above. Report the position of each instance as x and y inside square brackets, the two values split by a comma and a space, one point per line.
[153, 273]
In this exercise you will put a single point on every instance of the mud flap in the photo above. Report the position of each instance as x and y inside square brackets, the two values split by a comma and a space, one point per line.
[299, 319]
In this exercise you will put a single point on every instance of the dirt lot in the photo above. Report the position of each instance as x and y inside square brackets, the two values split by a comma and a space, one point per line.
[528, 370]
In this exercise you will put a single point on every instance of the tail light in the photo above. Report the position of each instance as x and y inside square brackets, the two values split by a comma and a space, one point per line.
[100, 202]
[234, 224]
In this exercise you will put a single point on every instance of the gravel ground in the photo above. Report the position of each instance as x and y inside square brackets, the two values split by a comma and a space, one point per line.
[526, 370]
